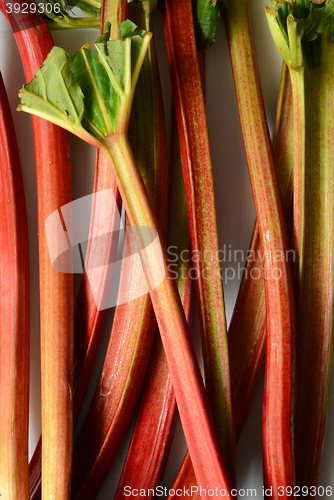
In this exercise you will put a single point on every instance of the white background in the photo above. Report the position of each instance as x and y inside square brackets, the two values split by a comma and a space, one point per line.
[235, 212]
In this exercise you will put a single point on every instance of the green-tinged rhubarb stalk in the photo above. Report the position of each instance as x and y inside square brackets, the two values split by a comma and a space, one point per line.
[78, 23]
[246, 333]
[197, 172]
[90, 315]
[91, 78]
[280, 308]
[14, 315]
[90, 311]
[293, 57]
[302, 32]
[117, 390]
[134, 323]
[150, 441]
[53, 176]
[315, 341]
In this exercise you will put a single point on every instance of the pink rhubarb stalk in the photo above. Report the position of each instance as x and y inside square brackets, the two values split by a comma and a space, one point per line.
[315, 316]
[14, 315]
[209, 464]
[313, 230]
[150, 441]
[247, 330]
[127, 354]
[197, 172]
[246, 333]
[53, 173]
[89, 316]
[277, 407]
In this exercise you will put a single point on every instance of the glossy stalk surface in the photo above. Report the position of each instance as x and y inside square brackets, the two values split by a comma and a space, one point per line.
[54, 189]
[315, 339]
[14, 315]
[127, 354]
[197, 173]
[280, 308]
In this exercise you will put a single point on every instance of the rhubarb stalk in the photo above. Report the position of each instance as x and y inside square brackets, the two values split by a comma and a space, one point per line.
[197, 172]
[53, 173]
[246, 333]
[277, 408]
[128, 353]
[300, 34]
[151, 436]
[315, 339]
[14, 315]
[247, 330]
[107, 131]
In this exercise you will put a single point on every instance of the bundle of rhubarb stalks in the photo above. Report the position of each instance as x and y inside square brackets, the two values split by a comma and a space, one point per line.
[142, 241]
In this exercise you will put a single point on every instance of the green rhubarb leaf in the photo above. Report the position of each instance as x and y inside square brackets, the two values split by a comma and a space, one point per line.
[137, 44]
[113, 56]
[106, 35]
[53, 93]
[101, 101]
[206, 13]
[86, 92]
[113, 52]
[312, 19]
[128, 29]
[320, 17]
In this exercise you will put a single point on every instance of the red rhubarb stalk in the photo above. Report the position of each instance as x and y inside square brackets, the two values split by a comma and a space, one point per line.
[14, 315]
[151, 436]
[277, 407]
[197, 172]
[247, 330]
[246, 333]
[310, 66]
[209, 464]
[127, 354]
[315, 339]
[103, 132]
[53, 173]
[91, 310]
[150, 441]
[89, 315]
